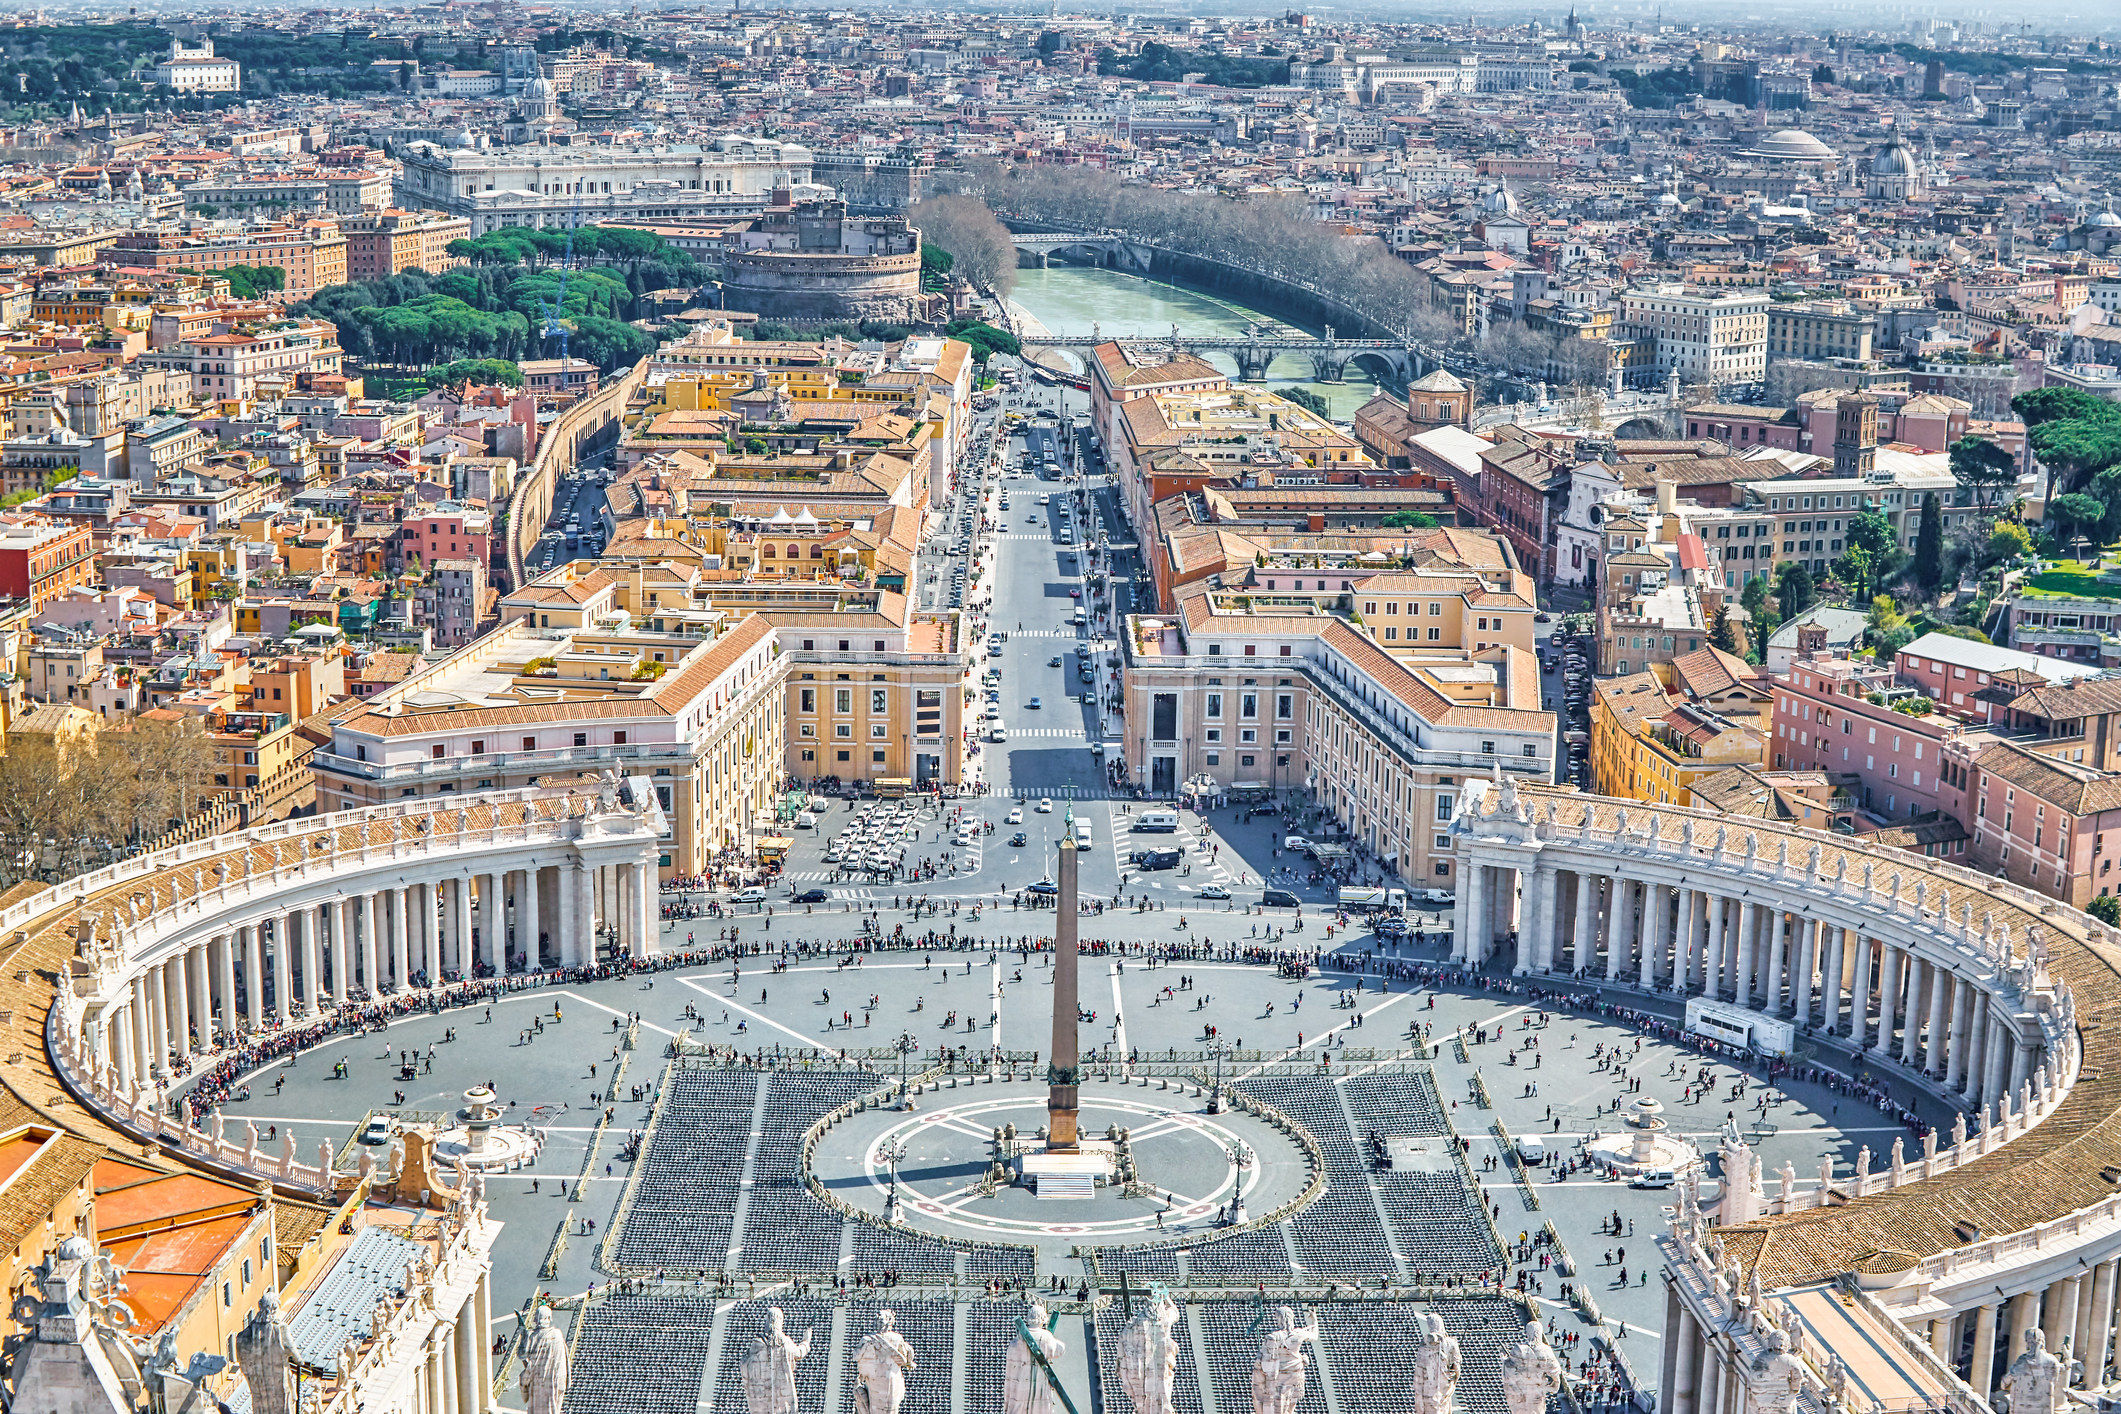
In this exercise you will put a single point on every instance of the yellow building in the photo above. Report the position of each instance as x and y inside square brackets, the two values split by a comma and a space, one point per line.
[1648, 745]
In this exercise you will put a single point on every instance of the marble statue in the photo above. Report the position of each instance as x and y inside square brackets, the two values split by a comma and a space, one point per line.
[1436, 1367]
[263, 1352]
[1278, 1376]
[2036, 1378]
[1775, 1378]
[544, 1375]
[1531, 1373]
[769, 1367]
[1025, 1388]
[1148, 1355]
[880, 1366]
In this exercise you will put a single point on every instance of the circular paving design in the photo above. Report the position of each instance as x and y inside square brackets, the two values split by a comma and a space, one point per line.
[1190, 1164]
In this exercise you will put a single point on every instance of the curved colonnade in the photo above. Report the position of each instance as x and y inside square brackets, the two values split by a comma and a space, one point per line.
[178, 955]
[1911, 1285]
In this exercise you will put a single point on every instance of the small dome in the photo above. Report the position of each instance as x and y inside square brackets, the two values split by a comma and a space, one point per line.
[541, 88]
[2105, 219]
[1895, 159]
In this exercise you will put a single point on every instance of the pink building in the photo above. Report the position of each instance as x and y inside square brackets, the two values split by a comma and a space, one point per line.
[448, 532]
[1825, 719]
[1953, 672]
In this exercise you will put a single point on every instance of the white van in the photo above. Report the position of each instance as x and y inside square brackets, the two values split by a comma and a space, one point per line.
[1156, 822]
[1082, 834]
[1080, 616]
[1532, 1149]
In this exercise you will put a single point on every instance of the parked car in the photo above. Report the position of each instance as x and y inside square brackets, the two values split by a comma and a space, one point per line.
[1279, 898]
[812, 896]
[376, 1131]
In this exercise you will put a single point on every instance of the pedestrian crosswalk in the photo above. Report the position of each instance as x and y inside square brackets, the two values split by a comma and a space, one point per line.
[1020, 733]
[1098, 792]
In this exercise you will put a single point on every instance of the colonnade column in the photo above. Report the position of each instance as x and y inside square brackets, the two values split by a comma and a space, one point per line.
[2100, 1341]
[342, 928]
[1583, 937]
[1830, 989]
[1933, 1050]
[369, 979]
[1888, 990]
[143, 1033]
[1655, 910]
[312, 959]
[200, 961]
[176, 1001]
[253, 973]
[1686, 912]
[1778, 962]
[1982, 1371]
[400, 969]
[1962, 1004]
[225, 969]
[1620, 929]
[1748, 926]
[1472, 913]
[1860, 1008]
[529, 921]
[641, 908]
[1996, 1060]
[282, 966]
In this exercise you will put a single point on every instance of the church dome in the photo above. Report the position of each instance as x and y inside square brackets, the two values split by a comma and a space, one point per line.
[2105, 219]
[1793, 145]
[1895, 159]
[541, 88]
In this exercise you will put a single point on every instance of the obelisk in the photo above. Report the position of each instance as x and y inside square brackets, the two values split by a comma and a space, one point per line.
[1063, 1070]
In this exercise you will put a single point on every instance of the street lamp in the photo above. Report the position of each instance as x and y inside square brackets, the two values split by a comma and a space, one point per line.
[905, 1045]
[1215, 1095]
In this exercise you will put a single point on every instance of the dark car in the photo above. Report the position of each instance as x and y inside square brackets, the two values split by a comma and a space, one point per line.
[812, 896]
[1019, 840]
[1156, 858]
[1279, 898]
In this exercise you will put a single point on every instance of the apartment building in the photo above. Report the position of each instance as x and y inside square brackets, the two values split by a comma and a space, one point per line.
[1820, 329]
[1654, 743]
[385, 242]
[1855, 717]
[251, 359]
[1287, 694]
[1704, 336]
[40, 562]
[1121, 374]
[313, 253]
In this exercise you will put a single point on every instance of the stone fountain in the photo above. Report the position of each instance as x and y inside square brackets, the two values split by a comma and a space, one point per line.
[479, 1140]
[1645, 1141]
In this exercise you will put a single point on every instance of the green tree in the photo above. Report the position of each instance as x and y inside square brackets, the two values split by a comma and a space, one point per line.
[1724, 631]
[1307, 400]
[2078, 513]
[1857, 570]
[1793, 590]
[1928, 564]
[1408, 520]
[1890, 630]
[1985, 471]
[2107, 909]
[2007, 541]
[1872, 533]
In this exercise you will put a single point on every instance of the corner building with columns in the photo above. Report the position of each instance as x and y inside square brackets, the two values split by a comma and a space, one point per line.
[1908, 1280]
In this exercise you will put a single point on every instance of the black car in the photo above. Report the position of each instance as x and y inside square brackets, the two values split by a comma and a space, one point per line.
[1019, 840]
[1156, 858]
[813, 896]
[1279, 898]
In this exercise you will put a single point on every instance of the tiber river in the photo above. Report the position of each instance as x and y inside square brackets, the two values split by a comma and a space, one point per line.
[1071, 298]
